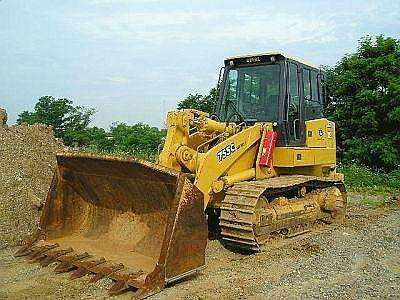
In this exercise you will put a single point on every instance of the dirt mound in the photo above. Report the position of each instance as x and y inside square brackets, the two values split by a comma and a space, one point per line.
[27, 162]
[3, 117]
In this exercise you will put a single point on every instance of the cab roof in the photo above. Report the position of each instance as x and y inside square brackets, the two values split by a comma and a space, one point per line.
[273, 53]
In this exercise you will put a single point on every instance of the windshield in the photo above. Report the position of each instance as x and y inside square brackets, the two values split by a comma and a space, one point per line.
[253, 92]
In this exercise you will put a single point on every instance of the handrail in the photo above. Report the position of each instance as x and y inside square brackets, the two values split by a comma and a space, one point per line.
[211, 140]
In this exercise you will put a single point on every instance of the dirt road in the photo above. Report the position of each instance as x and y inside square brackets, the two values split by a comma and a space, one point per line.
[358, 260]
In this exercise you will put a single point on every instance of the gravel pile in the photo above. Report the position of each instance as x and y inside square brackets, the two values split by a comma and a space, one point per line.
[360, 261]
[27, 162]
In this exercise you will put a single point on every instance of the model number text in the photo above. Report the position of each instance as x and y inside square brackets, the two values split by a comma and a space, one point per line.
[225, 152]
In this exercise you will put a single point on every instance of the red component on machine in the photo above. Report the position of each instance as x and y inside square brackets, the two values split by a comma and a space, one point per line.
[268, 148]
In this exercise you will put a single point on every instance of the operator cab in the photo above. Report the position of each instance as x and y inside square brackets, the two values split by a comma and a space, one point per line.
[271, 87]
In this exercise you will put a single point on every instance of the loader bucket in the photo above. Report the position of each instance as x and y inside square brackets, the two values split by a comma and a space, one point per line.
[133, 221]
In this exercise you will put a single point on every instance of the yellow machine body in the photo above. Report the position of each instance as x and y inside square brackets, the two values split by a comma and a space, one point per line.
[191, 152]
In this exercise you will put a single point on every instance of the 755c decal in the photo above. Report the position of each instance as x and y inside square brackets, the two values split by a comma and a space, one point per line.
[225, 152]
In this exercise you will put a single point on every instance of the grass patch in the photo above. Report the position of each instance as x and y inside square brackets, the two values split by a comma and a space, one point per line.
[140, 154]
[373, 202]
[363, 179]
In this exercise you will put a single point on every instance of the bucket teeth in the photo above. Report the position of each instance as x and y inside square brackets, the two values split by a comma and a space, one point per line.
[68, 263]
[78, 273]
[96, 277]
[129, 277]
[124, 280]
[26, 249]
[134, 280]
[85, 266]
[82, 265]
[52, 256]
[64, 267]
[118, 287]
[102, 272]
[29, 251]
[40, 252]
[23, 251]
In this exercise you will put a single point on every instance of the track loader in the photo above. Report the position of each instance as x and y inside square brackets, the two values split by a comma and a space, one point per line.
[261, 167]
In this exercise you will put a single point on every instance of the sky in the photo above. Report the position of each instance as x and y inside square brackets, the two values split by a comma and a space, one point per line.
[133, 60]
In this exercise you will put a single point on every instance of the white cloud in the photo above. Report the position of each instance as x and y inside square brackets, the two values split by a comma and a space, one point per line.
[114, 2]
[280, 28]
[206, 25]
[272, 25]
[118, 79]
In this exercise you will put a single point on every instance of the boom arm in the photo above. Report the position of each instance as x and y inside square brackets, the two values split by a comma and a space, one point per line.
[218, 154]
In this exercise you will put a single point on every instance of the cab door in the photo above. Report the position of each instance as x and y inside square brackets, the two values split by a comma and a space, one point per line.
[295, 124]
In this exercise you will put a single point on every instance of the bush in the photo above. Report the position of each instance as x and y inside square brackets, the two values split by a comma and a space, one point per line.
[364, 90]
[203, 103]
[362, 178]
[138, 140]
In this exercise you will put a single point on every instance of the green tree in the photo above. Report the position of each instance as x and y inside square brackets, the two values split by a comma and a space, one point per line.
[97, 140]
[364, 90]
[200, 102]
[69, 122]
[138, 139]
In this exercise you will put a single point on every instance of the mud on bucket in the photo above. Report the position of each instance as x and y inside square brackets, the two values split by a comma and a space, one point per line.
[138, 223]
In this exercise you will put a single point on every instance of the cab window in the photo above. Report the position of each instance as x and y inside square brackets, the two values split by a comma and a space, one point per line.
[306, 84]
[314, 86]
[253, 92]
[312, 101]
[293, 113]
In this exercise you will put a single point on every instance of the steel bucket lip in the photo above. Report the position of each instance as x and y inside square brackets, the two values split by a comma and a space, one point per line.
[114, 158]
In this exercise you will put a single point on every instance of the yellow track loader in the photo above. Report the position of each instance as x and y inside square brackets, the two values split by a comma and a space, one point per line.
[261, 167]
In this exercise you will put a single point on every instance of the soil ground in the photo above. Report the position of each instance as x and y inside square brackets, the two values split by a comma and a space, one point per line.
[358, 260]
